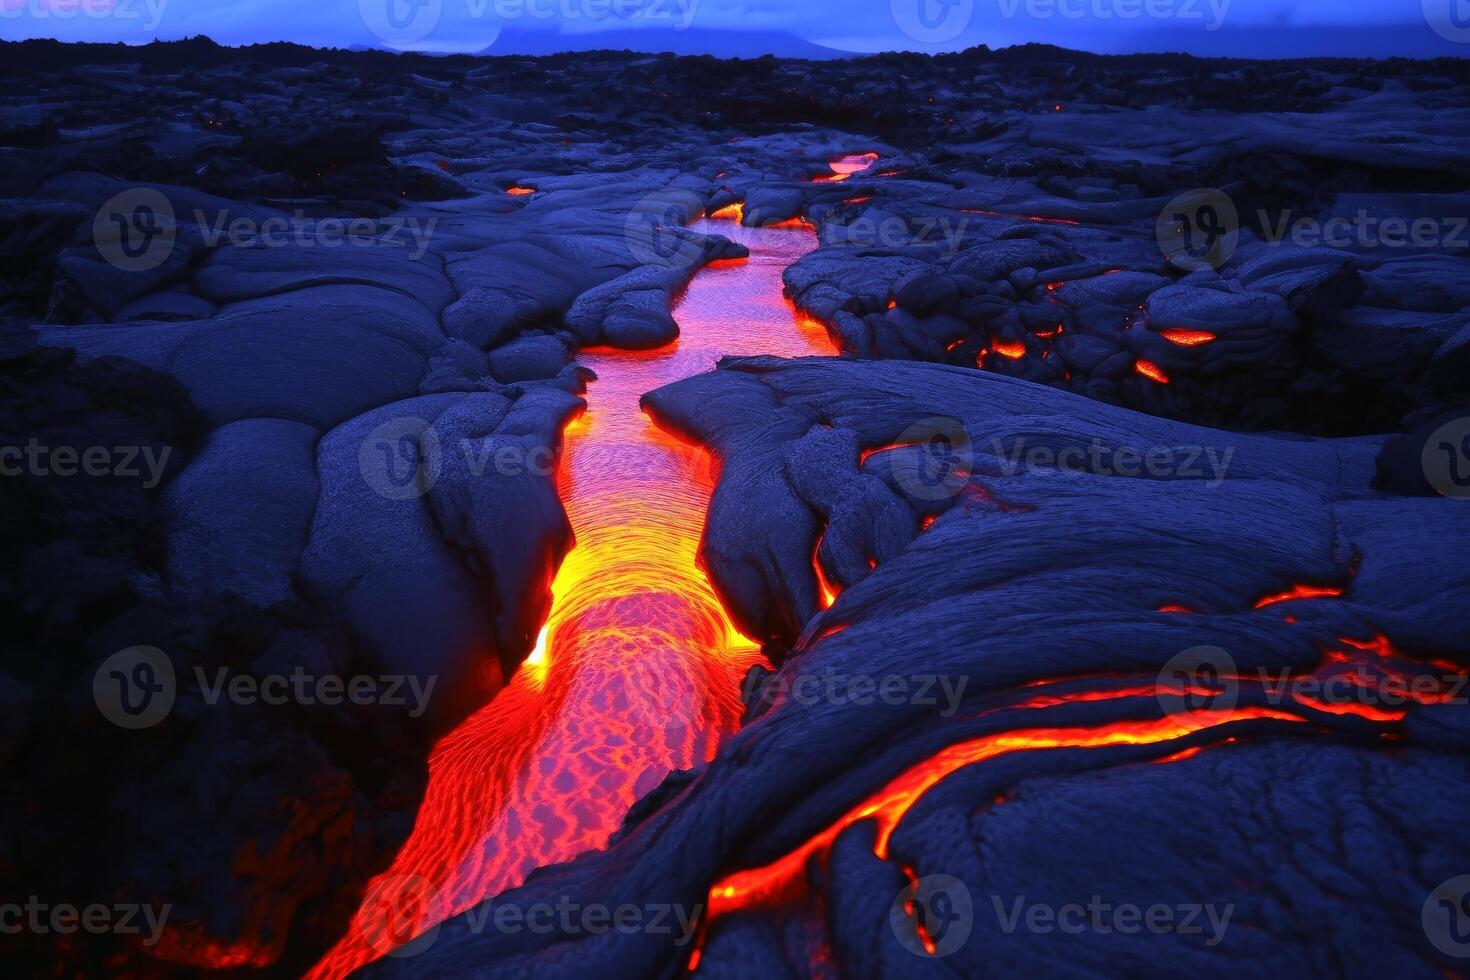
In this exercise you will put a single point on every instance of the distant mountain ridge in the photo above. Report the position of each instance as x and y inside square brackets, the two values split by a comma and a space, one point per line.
[657, 40]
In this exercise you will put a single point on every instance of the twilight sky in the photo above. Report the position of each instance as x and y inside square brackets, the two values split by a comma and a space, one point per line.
[1261, 28]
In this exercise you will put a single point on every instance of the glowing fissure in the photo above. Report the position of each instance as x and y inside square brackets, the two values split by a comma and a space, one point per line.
[638, 669]
[1363, 663]
[783, 880]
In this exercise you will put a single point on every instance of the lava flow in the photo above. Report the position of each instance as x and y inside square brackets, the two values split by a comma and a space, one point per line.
[638, 670]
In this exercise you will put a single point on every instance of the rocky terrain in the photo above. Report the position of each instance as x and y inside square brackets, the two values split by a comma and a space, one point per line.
[1141, 358]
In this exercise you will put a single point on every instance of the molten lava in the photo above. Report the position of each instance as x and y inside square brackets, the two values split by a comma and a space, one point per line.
[1152, 371]
[782, 880]
[845, 167]
[1187, 338]
[638, 670]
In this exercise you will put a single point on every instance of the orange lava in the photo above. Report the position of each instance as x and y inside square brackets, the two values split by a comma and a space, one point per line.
[730, 212]
[845, 167]
[638, 670]
[783, 879]
[1012, 349]
[1187, 338]
[520, 191]
[1151, 370]
[1300, 592]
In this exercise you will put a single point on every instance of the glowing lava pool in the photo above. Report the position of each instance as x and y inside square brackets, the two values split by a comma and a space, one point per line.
[638, 671]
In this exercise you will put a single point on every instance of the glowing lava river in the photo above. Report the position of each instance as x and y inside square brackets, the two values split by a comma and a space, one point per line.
[638, 670]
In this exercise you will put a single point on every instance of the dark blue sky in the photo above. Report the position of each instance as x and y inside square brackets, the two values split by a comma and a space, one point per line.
[1264, 28]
